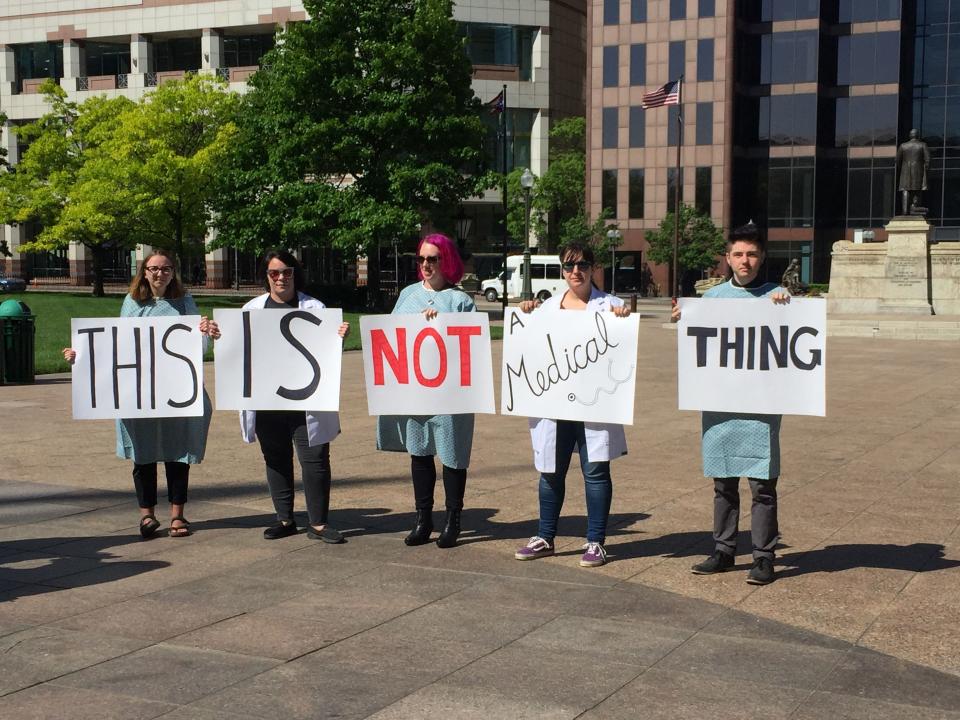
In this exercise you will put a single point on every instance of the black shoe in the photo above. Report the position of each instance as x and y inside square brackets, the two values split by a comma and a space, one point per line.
[716, 563]
[420, 535]
[451, 530]
[280, 530]
[328, 534]
[762, 571]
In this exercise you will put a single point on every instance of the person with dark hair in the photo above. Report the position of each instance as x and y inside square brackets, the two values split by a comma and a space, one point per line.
[177, 442]
[439, 268]
[280, 431]
[554, 441]
[736, 445]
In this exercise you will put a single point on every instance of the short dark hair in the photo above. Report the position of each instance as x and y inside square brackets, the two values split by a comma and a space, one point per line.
[288, 259]
[576, 248]
[747, 233]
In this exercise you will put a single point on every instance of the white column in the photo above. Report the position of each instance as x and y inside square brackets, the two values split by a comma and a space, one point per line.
[141, 60]
[74, 64]
[211, 50]
[8, 71]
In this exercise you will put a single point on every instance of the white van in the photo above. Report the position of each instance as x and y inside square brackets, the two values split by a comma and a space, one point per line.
[545, 278]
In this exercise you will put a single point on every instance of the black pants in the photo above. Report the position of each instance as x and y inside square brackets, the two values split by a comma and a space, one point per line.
[279, 431]
[145, 481]
[764, 528]
[424, 474]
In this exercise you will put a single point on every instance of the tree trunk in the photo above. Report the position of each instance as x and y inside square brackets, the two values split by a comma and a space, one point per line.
[97, 252]
[374, 296]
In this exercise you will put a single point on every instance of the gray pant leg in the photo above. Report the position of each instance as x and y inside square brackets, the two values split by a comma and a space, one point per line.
[726, 514]
[764, 528]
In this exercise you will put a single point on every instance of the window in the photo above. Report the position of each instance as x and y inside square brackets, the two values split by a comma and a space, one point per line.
[610, 127]
[704, 123]
[489, 44]
[704, 60]
[39, 60]
[673, 127]
[672, 188]
[870, 192]
[608, 192]
[704, 189]
[177, 54]
[638, 126]
[638, 11]
[868, 58]
[638, 64]
[107, 59]
[790, 186]
[870, 10]
[611, 12]
[246, 51]
[706, 8]
[635, 194]
[774, 10]
[678, 9]
[611, 66]
[677, 54]
[519, 131]
[866, 120]
[788, 119]
[788, 57]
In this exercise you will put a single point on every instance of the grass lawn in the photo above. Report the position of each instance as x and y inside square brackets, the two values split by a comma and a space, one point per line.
[53, 312]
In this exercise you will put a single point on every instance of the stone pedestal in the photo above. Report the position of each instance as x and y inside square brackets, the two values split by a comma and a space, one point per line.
[906, 289]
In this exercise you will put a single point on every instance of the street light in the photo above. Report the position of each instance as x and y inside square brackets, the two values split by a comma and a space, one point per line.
[613, 240]
[526, 182]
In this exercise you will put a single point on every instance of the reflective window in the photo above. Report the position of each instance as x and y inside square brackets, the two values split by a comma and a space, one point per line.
[704, 189]
[635, 194]
[704, 60]
[638, 119]
[790, 192]
[177, 54]
[871, 192]
[704, 123]
[932, 12]
[775, 10]
[246, 50]
[672, 188]
[611, 66]
[638, 64]
[863, 121]
[109, 58]
[673, 129]
[489, 44]
[788, 119]
[678, 9]
[706, 8]
[868, 58]
[608, 192]
[519, 131]
[611, 12]
[638, 11]
[788, 57]
[610, 127]
[677, 59]
[868, 10]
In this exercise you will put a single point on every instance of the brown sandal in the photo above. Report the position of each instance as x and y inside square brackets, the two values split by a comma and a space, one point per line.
[181, 531]
[148, 526]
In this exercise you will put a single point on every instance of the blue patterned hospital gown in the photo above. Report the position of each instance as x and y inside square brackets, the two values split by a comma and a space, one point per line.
[740, 444]
[450, 437]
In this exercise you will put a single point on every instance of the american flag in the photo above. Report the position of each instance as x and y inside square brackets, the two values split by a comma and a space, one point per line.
[495, 106]
[668, 94]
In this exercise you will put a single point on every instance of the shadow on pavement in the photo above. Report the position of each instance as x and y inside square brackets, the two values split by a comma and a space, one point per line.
[917, 557]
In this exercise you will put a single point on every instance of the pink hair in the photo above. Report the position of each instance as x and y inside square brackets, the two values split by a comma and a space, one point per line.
[450, 263]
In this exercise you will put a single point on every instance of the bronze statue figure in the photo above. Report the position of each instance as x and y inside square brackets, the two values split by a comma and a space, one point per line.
[913, 158]
[791, 278]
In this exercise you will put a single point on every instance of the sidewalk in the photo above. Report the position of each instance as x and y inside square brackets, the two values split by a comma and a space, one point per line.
[862, 622]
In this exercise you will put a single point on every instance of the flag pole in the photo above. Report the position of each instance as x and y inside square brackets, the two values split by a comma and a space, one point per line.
[676, 189]
[503, 149]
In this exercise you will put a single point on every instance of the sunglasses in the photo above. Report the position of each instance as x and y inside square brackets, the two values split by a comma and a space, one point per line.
[428, 259]
[285, 273]
[159, 269]
[581, 265]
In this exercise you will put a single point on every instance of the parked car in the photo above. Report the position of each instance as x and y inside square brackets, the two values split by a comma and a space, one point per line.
[12, 284]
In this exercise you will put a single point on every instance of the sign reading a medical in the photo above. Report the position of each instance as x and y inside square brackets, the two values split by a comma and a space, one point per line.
[137, 367]
[277, 359]
[415, 366]
[752, 356]
[569, 365]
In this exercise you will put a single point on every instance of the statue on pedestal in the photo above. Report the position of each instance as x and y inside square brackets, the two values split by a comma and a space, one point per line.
[913, 158]
[791, 278]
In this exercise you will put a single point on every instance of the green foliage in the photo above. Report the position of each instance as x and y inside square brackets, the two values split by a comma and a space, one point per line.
[357, 129]
[700, 244]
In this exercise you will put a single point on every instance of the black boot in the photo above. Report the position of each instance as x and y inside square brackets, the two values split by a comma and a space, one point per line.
[420, 535]
[451, 530]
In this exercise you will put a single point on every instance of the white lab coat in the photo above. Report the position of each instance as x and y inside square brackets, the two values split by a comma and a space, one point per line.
[322, 427]
[605, 441]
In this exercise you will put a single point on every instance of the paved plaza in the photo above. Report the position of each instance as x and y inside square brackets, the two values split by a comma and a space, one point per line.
[862, 622]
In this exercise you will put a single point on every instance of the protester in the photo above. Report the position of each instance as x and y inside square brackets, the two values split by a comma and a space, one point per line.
[280, 431]
[178, 442]
[450, 437]
[554, 441]
[736, 445]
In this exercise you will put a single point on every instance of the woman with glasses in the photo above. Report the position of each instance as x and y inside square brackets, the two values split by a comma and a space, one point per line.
[177, 442]
[554, 441]
[281, 431]
[448, 436]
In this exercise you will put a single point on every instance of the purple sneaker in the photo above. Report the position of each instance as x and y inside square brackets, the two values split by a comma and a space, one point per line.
[594, 555]
[537, 547]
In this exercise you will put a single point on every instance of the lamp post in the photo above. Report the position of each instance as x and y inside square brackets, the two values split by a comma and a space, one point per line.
[613, 240]
[526, 182]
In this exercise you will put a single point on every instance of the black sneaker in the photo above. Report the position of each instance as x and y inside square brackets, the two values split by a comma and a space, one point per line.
[280, 530]
[716, 563]
[328, 534]
[762, 572]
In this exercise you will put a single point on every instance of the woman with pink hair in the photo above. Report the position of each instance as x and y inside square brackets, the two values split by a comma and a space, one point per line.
[449, 436]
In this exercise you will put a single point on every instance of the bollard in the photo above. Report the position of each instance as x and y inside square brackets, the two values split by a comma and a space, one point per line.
[633, 303]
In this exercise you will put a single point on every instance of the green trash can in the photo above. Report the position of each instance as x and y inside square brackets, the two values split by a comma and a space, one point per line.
[17, 331]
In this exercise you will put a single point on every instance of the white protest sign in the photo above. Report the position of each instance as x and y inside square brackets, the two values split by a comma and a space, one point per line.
[137, 367]
[278, 359]
[569, 365]
[752, 356]
[415, 366]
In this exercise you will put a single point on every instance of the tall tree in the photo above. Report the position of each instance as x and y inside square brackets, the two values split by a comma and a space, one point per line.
[48, 186]
[361, 125]
[700, 243]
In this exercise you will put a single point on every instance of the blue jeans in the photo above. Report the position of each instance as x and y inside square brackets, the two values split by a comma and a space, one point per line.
[597, 485]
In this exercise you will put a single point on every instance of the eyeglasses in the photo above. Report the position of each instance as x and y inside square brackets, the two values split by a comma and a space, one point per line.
[428, 259]
[285, 273]
[159, 269]
[581, 265]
